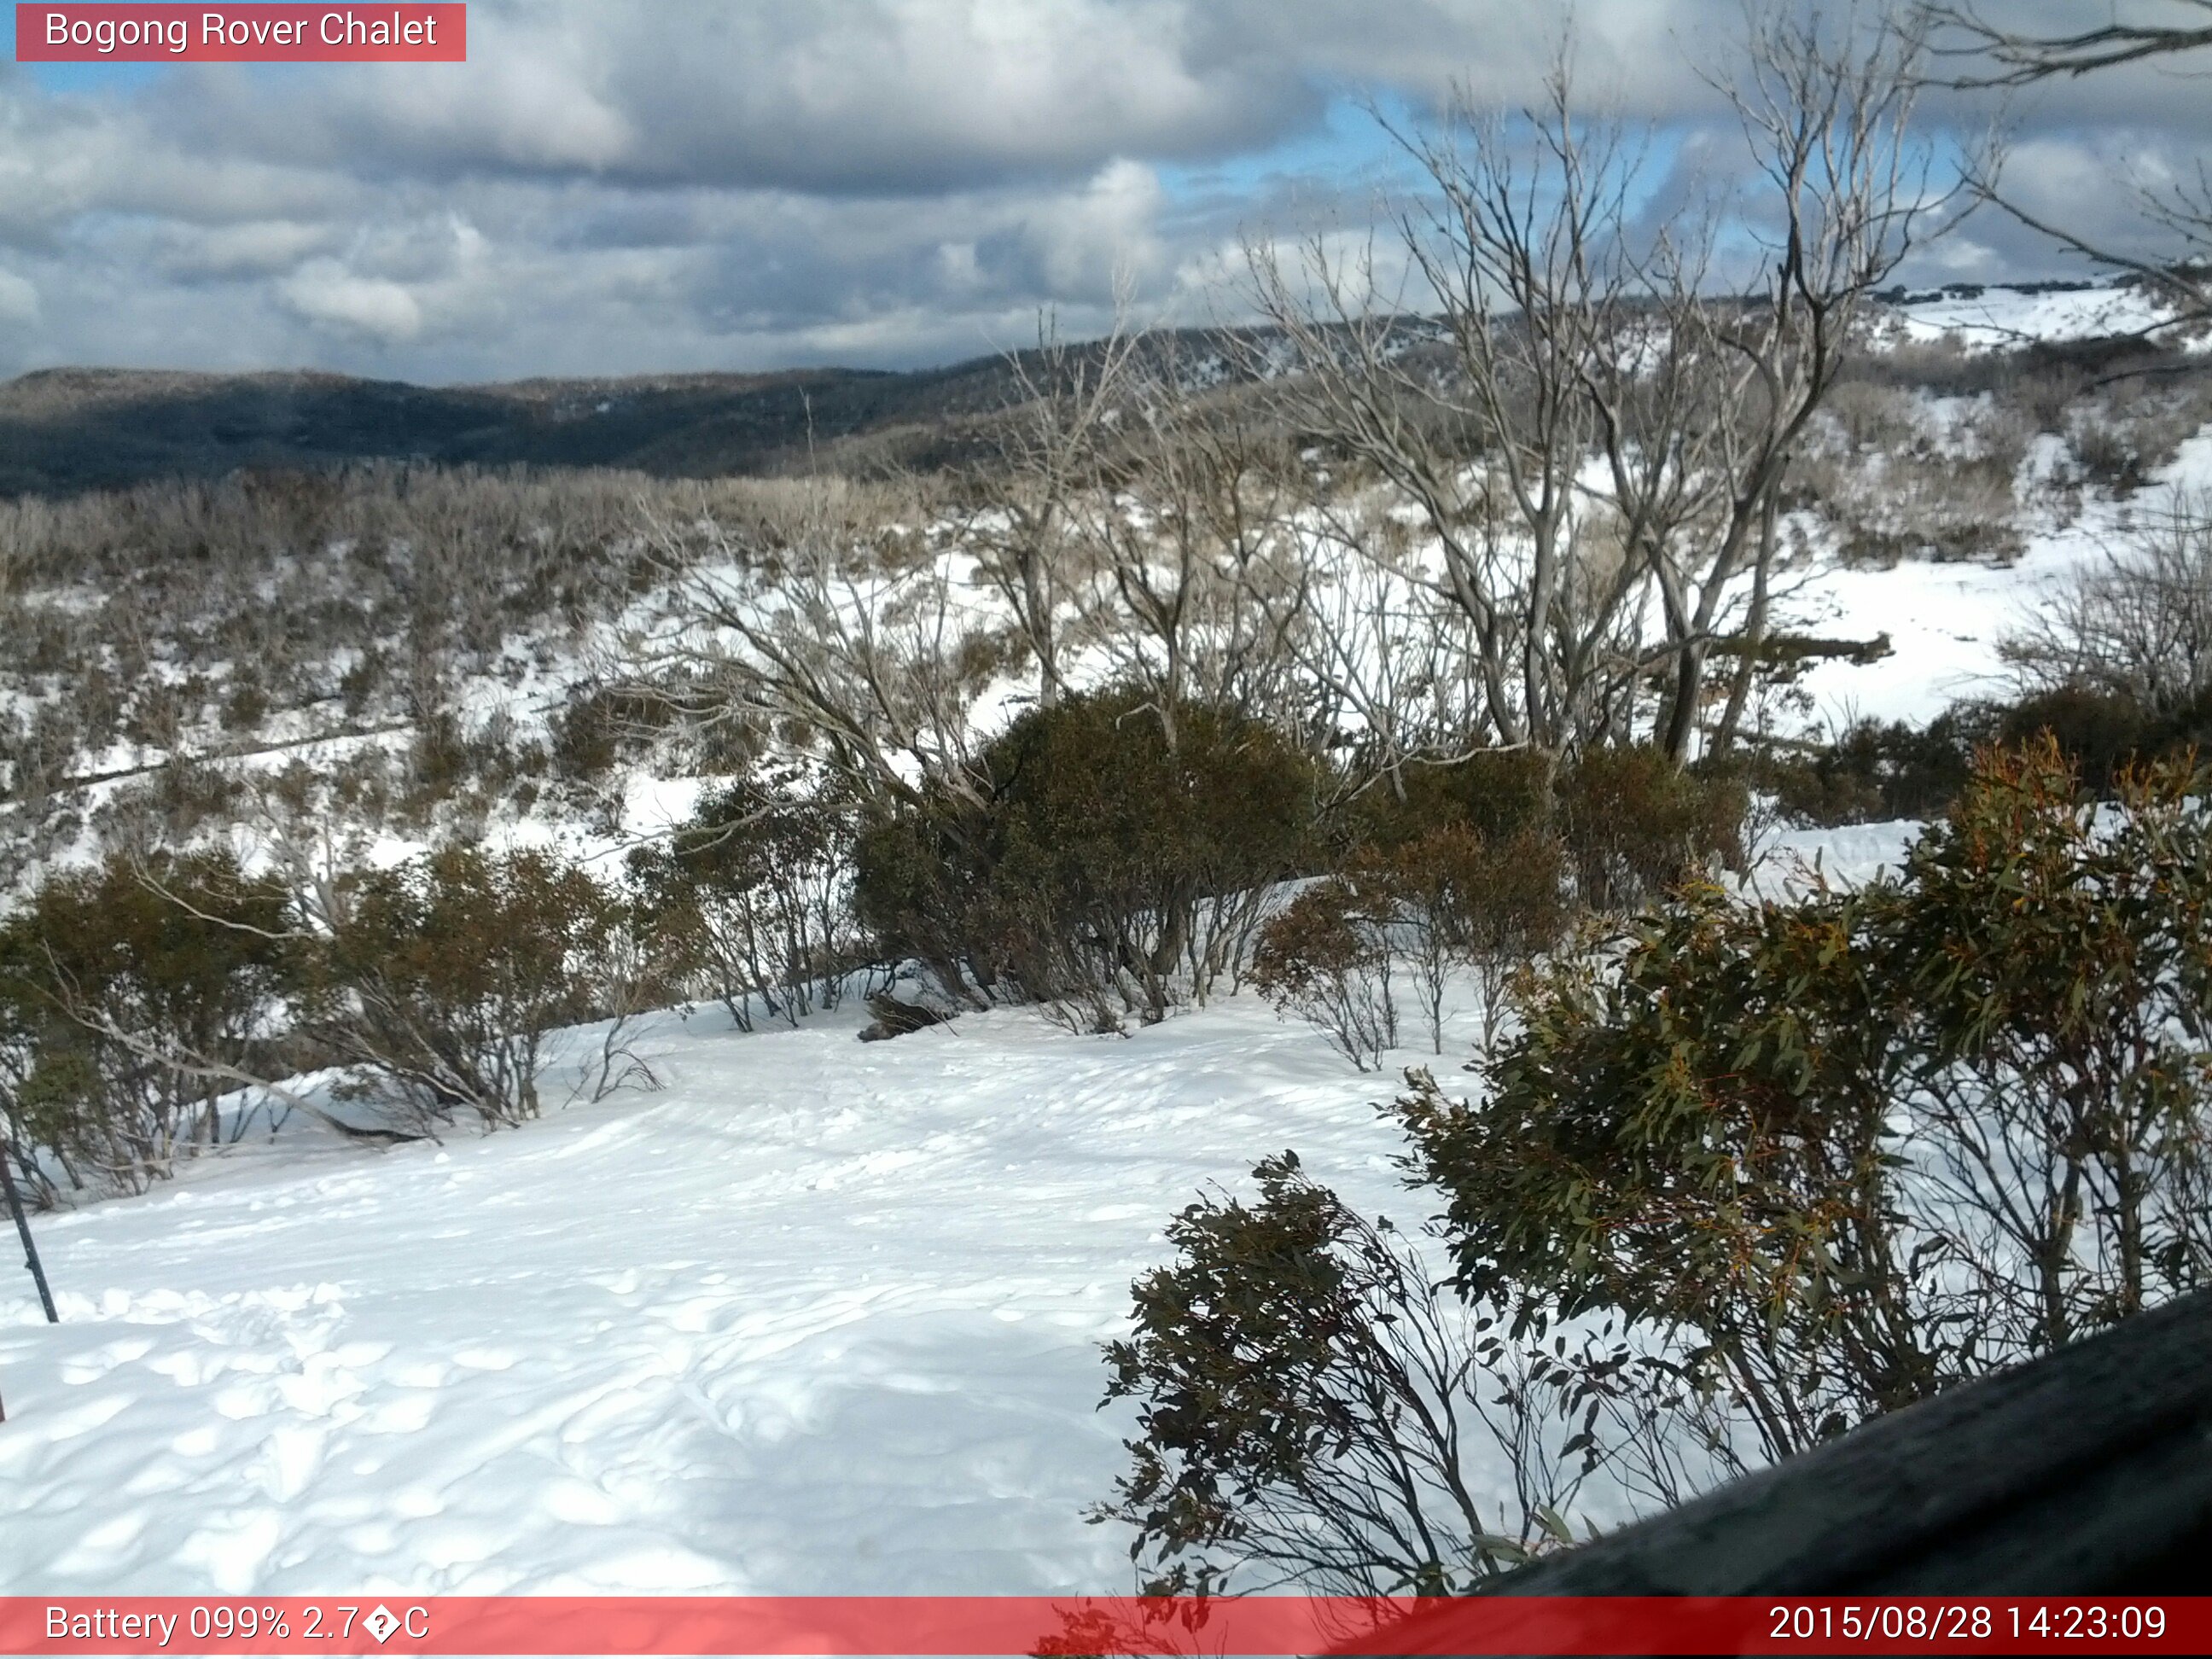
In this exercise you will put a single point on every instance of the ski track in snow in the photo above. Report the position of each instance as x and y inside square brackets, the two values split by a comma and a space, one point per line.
[819, 1317]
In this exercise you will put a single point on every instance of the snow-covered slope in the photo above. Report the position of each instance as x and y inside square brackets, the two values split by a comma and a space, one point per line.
[1945, 621]
[818, 1316]
[2005, 315]
[821, 1316]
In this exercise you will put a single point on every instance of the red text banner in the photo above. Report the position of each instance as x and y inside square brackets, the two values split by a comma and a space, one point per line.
[1231, 1629]
[236, 34]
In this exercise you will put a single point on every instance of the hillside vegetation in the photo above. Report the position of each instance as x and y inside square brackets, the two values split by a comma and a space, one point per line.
[1137, 736]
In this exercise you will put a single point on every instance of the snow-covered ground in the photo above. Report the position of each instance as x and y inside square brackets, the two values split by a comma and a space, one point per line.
[820, 1317]
[1945, 621]
[1999, 315]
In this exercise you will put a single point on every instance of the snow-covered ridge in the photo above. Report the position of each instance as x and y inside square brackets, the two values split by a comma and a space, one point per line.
[1999, 315]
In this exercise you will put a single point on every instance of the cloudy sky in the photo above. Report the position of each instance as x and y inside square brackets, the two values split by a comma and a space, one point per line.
[612, 186]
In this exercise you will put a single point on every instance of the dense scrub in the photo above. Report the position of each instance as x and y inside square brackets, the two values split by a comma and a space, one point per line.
[104, 976]
[156, 1009]
[169, 628]
[444, 649]
[752, 900]
[1095, 861]
[1744, 1174]
[1473, 870]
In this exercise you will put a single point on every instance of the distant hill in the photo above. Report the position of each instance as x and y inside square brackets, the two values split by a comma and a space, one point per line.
[68, 429]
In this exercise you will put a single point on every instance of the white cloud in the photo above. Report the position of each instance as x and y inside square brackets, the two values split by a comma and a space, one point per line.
[19, 301]
[324, 291]
[257, 247]
[624, 185]
[1084, 243]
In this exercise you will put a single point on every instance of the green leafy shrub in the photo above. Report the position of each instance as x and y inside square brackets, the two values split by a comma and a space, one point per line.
[1744, 1175]
[439, 981]
[1852, 1147]
[1633, 824]
[2104, 733]
[923, 887]
[132, 998]
[1326, 957]
[595, 731]
[1877, 770]
[2055, 956]
[756, 891]
[1452, 902]
[1695, 1143]
[1093, 865]
[1488, 906]
[1498, 793]
[1309, 1397]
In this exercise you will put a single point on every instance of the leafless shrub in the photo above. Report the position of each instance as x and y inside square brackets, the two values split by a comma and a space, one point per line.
[823, 620]
[2123, 436]
[1898, 479]
[2138, 624]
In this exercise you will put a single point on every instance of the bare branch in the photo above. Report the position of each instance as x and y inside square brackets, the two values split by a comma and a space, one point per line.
[2017, 58]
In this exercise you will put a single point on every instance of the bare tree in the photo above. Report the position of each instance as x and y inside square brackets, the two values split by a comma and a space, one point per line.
[2019, 58]
[1565, 332]
[1990, 55]
[1844, 196]
[1479, 417]
[1197, 581]
[2138, 624]
[1381, 655]
[825, 629]
[1019, 527]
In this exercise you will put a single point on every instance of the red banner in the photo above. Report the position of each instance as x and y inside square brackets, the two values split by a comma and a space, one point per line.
[233, 34]
[1231, 1629]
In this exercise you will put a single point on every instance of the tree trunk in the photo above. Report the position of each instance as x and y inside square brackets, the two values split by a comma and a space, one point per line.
[1754, 637]
[23, 1231]
[1682, 714]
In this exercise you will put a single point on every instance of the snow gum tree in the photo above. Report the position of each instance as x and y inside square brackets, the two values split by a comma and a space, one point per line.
[1590, 417]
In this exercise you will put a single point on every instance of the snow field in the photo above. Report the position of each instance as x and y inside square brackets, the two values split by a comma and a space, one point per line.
[1999, 316]
[1945, 621]
[820, 1317]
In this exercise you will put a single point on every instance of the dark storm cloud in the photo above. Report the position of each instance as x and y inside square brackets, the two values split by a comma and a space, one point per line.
[614, 186]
